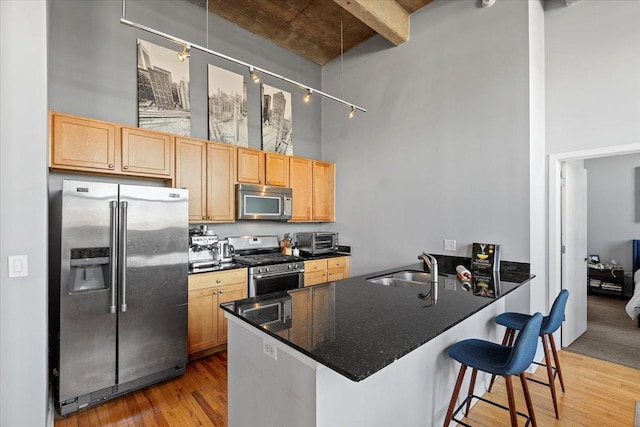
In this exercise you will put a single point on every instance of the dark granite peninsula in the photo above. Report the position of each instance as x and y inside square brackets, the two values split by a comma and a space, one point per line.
[355, 352]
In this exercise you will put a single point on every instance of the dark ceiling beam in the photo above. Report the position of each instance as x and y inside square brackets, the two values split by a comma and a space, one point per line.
[386, 18]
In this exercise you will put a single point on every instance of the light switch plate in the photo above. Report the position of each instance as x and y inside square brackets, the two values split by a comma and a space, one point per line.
[449, 245]
[18, 266]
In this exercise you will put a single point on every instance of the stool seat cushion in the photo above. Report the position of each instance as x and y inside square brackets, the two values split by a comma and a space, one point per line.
[550, 323]
[483, 355]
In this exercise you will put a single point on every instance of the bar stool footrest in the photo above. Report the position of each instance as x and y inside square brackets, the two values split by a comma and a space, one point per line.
[472, 396]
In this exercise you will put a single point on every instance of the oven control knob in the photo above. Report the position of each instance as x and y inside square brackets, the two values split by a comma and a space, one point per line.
[289, 266]
[266, 269]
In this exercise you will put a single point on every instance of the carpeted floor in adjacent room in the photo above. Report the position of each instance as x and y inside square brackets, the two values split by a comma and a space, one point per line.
[611, 334]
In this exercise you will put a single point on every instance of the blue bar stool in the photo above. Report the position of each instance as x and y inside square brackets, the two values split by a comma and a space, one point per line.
[497, 359]
[550, 324]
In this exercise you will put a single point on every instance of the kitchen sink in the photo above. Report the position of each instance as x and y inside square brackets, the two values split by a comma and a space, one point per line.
[403, 278]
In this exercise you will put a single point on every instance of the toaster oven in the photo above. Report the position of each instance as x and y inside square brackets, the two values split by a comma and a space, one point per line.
[317, 242]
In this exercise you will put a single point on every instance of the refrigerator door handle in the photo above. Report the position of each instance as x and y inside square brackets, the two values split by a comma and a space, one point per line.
[112, 252]
[123, 256]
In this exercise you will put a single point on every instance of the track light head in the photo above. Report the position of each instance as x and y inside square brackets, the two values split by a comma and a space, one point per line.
[182, 56]
[352, 112]
[253, 75]
[307, 96]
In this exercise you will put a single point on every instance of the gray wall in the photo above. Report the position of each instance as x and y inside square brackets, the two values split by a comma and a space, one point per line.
[93, 72]
[593, 64]
[611, 197]
[23, 212]
[443, 152]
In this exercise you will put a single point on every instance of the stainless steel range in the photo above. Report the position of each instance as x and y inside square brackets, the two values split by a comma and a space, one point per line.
[269, 270]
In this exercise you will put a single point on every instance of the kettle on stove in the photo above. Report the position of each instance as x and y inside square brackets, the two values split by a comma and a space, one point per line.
[226, 251]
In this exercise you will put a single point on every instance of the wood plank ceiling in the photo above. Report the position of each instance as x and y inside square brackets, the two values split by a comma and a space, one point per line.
[311, 28]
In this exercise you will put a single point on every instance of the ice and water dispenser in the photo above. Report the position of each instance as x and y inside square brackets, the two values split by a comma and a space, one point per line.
[89, 269]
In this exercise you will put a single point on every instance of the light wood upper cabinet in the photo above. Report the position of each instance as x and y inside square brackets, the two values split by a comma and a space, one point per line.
[221, 183]
[260, 167]
[147, 152]
[191, 173]
[323, 191]
[301, 182]
[82, 144]
[277, 169]
[313, 190]
[207, 170]
[207, 325]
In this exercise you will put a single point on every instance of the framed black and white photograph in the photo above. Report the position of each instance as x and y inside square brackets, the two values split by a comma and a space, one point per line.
[227, 99]
[163, 90]
[277, 123]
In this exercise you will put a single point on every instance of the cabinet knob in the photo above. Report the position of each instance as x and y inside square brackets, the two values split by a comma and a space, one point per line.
[208, 217]
[110, 165]
[204, 217]
[221, 291]
[219, 281]
[215, 292]
[125, 167]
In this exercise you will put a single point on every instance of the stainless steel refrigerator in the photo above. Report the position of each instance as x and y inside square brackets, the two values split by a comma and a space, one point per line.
[118, 311]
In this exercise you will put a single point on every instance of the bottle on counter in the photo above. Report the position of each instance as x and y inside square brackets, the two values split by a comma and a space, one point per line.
[296, 251]
[463, 273]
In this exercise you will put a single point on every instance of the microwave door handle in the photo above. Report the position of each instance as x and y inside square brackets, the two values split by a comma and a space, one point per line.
[113, 205]
[123, 257]
[288, 272]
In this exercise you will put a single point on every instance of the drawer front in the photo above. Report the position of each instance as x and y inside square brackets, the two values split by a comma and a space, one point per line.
[315, 278]
[340, 262]
[336, 274]
[316, 265]
[218, 278]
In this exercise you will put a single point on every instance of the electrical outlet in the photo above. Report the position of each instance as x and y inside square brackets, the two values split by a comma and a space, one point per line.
[270, 350]
[449, 245]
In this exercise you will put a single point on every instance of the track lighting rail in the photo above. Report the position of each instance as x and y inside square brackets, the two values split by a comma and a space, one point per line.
[252, 68]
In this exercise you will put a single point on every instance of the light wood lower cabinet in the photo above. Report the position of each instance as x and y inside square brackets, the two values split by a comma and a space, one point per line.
[207, 170]
[82, 144]
[326, 270]
[207, 325]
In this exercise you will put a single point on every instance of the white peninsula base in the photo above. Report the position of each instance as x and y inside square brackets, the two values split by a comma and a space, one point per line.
[295, 390]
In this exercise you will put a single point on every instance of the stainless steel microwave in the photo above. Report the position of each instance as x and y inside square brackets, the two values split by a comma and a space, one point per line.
[263, 202]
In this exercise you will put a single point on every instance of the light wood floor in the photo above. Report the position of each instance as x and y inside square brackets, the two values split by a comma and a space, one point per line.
[598, 393]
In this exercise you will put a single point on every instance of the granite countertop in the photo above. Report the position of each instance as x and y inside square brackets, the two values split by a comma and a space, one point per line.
[356, 327]
[309, 257]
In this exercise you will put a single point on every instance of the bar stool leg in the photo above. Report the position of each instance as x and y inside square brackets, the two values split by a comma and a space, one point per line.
[512, 401]
[527, 398]
[472, 385]
[552, 383]
[557, 360]
[456, 391]
[508, 333]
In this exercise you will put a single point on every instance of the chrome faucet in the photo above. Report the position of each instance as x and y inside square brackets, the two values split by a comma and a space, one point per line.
[432, 263]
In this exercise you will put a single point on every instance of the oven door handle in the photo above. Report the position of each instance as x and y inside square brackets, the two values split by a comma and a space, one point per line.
[285, 273]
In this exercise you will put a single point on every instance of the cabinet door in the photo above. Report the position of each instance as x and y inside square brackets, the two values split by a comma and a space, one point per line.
[315, 272]
[337, 268]
[83, 144]
[301, 182]
[277, 169]
[147, 152]
[191, 173]
[226, 294]
[221, 187]
[250, 166]
[203, 319]
[323, 191]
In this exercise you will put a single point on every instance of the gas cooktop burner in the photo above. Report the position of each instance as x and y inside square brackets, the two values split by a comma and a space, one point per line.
[265, 259]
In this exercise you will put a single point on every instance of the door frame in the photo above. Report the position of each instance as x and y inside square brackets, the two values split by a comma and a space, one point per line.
[555, 204]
